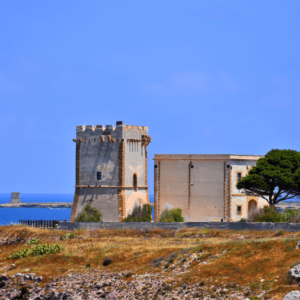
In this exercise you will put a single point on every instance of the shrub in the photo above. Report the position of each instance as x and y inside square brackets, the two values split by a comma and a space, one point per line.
[295, 219]
[242, 220]
[171, 215]
[291, 215]
[107, 261]
[37, 250]
[279, 232]
[140, 214]
[67, 236]
[270, 214]
[90, 214]
[267, 214]
[33, 242]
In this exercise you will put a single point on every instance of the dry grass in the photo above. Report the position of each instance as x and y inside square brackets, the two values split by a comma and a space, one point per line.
[250, 257]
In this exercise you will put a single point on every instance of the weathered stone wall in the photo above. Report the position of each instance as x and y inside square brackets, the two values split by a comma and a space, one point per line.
[197, 187]
[104, 199]
[135, 163]
[98, 153]
[293, 227]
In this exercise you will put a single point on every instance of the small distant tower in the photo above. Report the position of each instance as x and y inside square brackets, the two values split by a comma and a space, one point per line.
[111, 169]
[15, 198]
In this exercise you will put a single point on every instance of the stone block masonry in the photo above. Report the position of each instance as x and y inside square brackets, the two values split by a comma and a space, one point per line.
[292, 227]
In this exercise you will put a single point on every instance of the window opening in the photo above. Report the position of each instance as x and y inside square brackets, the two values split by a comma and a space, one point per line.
[135, 182]
[99, 175]
[239, 176]
[239, 210]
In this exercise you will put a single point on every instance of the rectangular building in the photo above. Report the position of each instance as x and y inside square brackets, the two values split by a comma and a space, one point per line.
[203, 186]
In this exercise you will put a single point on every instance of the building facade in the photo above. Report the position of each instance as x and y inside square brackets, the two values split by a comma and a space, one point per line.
[111, 169]
[203, 186]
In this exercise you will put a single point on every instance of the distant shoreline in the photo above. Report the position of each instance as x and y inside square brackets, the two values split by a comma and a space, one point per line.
[38, 205]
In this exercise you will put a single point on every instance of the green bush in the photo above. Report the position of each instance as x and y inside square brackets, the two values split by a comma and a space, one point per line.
[38, 250]
[270, 214]
[34, 242]
[140, 214]
[171, 215]
[291, 215]
[279, 232]
[242, 220]
[267, 214]
[90, 214]
[67, 236]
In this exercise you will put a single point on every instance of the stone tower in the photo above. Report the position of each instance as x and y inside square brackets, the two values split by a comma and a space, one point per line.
[111, 169]
[15, 198]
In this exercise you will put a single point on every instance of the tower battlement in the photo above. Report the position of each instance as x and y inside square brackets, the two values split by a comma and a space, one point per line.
[118, 131]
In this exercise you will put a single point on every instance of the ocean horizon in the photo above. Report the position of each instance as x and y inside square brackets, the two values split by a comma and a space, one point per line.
[13, 215]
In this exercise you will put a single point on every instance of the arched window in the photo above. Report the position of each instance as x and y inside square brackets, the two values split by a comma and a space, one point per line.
[134, 182]
[252, 207]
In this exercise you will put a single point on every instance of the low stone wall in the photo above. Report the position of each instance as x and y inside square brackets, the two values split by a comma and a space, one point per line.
[176, 226]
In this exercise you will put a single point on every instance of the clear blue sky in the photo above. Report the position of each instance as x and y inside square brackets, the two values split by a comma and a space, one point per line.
[204, 76]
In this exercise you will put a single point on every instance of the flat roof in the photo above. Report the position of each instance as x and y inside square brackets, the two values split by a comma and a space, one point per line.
[206, 157]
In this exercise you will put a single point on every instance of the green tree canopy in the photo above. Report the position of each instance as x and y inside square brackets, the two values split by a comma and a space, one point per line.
[275, 178]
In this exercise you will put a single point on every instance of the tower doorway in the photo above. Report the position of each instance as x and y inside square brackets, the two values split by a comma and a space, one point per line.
[252, 207]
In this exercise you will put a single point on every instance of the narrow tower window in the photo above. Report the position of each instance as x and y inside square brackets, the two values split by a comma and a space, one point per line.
[135, 182]
[99, 175]
[239, 176]
[239, 210]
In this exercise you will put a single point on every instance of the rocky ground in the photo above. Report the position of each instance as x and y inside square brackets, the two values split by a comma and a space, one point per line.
[98, 285]
[186, 264]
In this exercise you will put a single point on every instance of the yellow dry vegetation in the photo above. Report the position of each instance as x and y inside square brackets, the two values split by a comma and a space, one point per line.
[249, 257]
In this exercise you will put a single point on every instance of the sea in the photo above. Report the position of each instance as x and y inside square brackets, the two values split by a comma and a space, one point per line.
[13, 215]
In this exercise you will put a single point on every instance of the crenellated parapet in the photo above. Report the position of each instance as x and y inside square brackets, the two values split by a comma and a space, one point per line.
[111, 133]
[137, 129]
